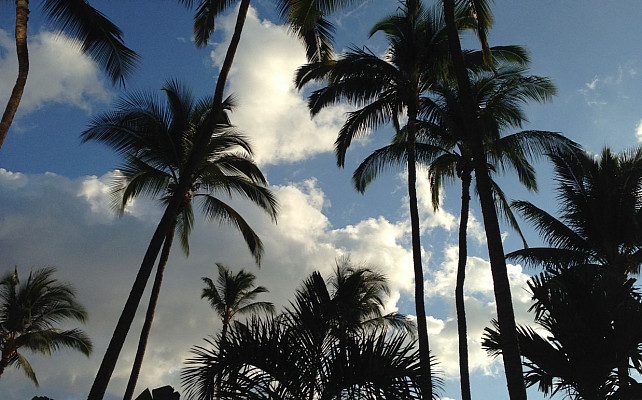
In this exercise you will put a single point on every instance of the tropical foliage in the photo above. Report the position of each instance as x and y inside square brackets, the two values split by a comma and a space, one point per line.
[234, 294]
[600, 213]
[584, 299]
[385, 90]
[444, 148]
[449, 110]
[333, 341]
[30, 315]
[585, 332]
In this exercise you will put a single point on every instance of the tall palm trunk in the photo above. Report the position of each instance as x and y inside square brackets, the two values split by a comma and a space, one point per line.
[22, 16]
[117, 341]
[420, 309]
[501, 285]
[462, 330]
[108, 364]
[149, 316]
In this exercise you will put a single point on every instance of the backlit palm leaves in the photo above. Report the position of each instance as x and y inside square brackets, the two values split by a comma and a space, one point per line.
[325, 345]
[444, 148]
[385, 90]
[588, 317]
[30, 313]
[601, 217]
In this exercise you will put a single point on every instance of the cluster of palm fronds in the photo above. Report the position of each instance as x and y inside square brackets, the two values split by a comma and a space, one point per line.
[333, 341]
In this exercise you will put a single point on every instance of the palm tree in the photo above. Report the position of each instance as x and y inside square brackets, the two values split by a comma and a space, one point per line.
[480, 12]
[443, 147]
[157, 141]
[98, 36]
[600, 219]
[386, 89]
[586, 313]
[234, 294]
[29, 316]
[305, 18]
[332, 342]
[349, 303]
[601, 213]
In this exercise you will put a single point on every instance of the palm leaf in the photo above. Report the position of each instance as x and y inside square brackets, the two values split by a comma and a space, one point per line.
[99, 37]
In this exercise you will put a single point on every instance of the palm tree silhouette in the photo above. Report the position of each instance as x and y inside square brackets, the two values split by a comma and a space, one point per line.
[586, 314]
[157, 140]
[384, 90]
[333, 341]
[600, 217]
[479, 11]
[443, 147]
[30, 313]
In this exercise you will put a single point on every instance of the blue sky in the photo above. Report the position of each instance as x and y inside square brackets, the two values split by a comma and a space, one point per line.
[55, 208]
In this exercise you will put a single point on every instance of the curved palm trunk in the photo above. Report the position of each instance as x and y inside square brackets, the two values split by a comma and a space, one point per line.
[464, 373]
[169, 218]
[231, 51]
[22, 16]
[501, 286]
[131, 305]
[149, 316]
[420, 309]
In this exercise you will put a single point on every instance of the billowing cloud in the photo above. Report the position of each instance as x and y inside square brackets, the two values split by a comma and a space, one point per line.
[270, 109]
[68, 223]
[48, 219]
[480, 309]
[58, 73]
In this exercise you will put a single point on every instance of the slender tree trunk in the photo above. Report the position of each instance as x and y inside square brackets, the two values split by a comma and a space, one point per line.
[464, 372]
[231, 51]
[149, 316]
[202, 138]
[117, 341]
[501, 285]
[22, 17]
[420, 309]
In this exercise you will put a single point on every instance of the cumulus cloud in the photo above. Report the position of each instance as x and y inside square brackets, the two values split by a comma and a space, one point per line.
[270, 109]
[480, 309]
[49, 219]
[66, 222]
[58, 73]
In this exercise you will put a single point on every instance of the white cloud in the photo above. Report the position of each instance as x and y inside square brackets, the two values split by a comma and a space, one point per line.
[58, 73]
[480, 309]
[52, 220]
[270, 109]
[593, 84]
[638, 131]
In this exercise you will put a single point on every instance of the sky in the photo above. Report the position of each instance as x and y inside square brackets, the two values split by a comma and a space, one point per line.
[54, 190]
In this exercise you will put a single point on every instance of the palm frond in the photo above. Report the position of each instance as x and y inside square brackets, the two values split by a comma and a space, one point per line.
[98, 37]
[217, 210]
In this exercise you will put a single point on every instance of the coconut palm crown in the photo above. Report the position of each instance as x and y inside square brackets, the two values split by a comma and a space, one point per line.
[30, 313]
[157, 141]
[601, 213]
